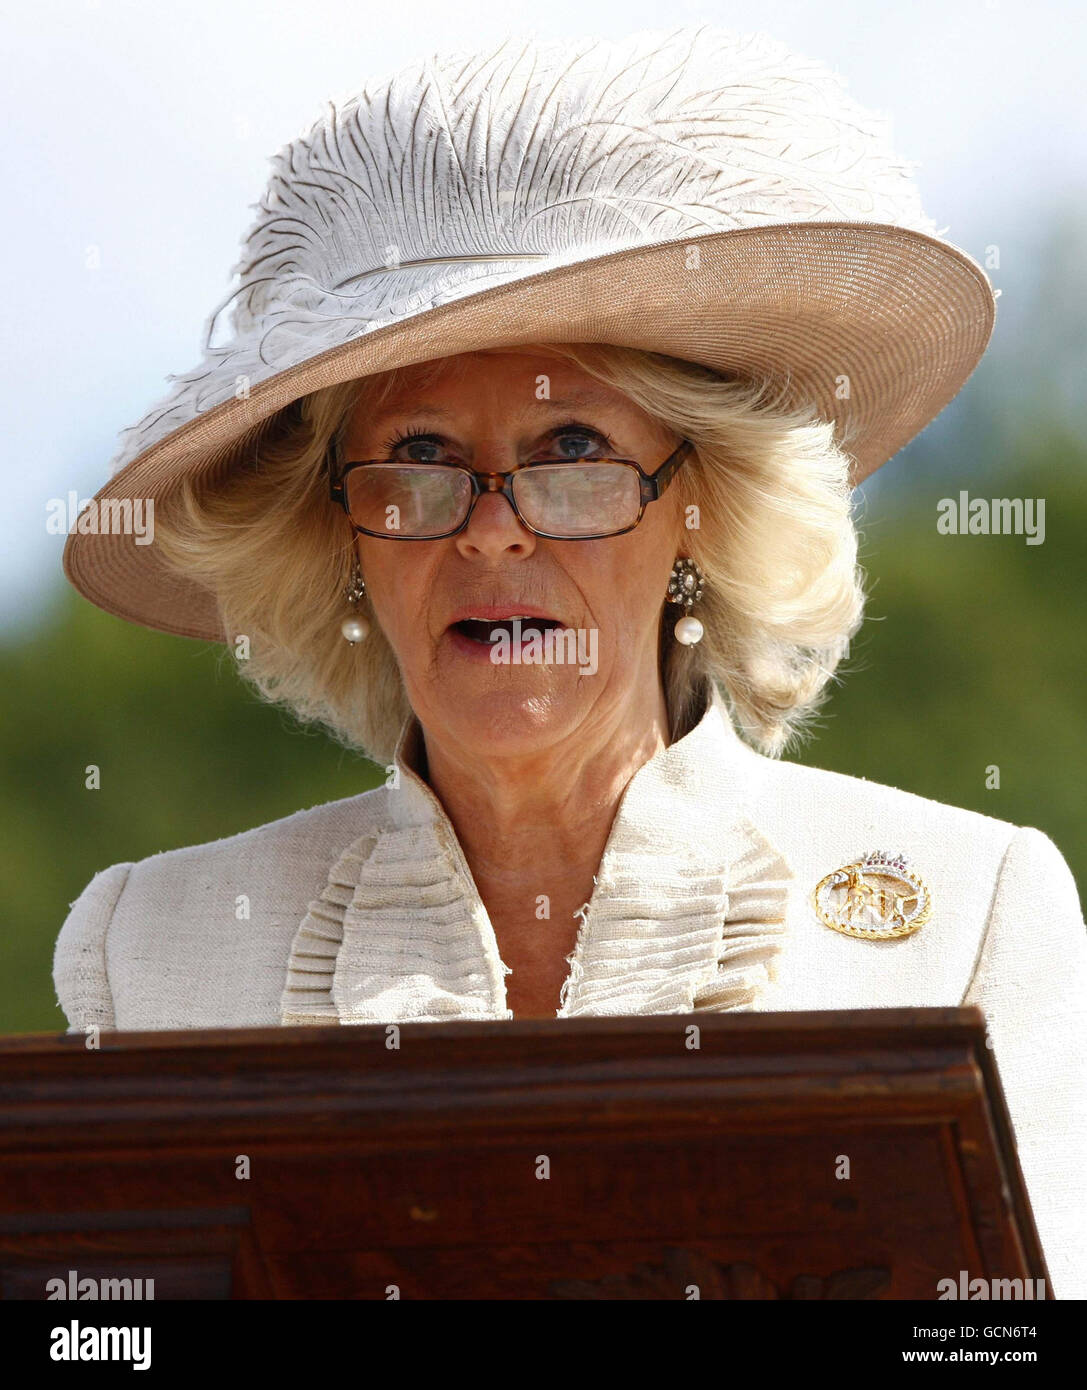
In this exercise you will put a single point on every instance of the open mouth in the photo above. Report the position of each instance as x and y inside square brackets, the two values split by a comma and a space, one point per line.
[486, 630]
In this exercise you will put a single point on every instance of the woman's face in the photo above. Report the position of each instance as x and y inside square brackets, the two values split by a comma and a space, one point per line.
[484, 409]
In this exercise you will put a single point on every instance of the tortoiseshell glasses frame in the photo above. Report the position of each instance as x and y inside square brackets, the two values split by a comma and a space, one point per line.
[651, 487]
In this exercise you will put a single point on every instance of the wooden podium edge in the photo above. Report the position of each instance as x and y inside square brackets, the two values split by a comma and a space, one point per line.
[573, 1044]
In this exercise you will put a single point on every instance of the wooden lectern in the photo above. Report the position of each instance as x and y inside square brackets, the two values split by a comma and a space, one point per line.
[830, 1155]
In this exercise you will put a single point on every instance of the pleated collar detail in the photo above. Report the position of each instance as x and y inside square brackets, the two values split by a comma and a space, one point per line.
[688, 910]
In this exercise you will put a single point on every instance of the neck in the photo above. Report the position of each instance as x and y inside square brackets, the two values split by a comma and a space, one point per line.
[517, 815]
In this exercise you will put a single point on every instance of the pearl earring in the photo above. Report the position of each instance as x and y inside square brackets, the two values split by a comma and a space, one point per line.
[685, 588]
[355, 628]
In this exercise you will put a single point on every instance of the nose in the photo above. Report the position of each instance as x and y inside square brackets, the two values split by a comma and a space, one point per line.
[494, 531]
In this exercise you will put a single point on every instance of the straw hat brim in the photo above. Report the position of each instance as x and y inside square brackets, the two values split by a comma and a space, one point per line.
[900, 316]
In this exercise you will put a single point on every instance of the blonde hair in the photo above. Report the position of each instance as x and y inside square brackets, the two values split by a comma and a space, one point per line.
[773, 533]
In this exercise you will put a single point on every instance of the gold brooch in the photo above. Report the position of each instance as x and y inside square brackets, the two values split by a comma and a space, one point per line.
[876, 897]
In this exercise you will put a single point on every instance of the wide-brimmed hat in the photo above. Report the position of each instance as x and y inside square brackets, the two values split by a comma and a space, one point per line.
[696, 192]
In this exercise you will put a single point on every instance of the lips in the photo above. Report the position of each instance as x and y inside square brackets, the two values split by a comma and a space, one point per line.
[482, 623]
[484, 630]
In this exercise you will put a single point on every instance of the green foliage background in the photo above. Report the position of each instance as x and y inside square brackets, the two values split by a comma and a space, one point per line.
[972, 655]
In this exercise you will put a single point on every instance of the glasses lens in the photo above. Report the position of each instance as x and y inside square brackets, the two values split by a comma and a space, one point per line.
[392, 499]
[579, 499]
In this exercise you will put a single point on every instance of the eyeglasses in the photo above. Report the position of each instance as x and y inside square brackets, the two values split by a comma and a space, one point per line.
[563, 500]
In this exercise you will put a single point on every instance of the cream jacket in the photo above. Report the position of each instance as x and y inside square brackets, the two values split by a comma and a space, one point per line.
[364, 910]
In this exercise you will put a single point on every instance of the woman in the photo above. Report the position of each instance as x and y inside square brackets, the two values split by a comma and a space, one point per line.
[528, 471]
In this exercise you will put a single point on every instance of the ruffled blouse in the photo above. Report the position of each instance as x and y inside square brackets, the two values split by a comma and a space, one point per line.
[688, 908]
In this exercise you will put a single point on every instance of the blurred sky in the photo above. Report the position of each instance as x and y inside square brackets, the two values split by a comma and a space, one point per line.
[145, 130]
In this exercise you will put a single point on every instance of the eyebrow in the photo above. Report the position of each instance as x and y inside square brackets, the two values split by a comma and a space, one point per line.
[572, 401]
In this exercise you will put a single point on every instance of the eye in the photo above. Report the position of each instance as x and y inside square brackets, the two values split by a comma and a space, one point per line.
[402, 440]
[581, 437]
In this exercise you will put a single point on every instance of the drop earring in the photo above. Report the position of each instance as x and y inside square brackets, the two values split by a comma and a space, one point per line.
[354, 627]
[685, 587]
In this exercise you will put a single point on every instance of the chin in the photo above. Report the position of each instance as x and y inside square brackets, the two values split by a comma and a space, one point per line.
[517, 713]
